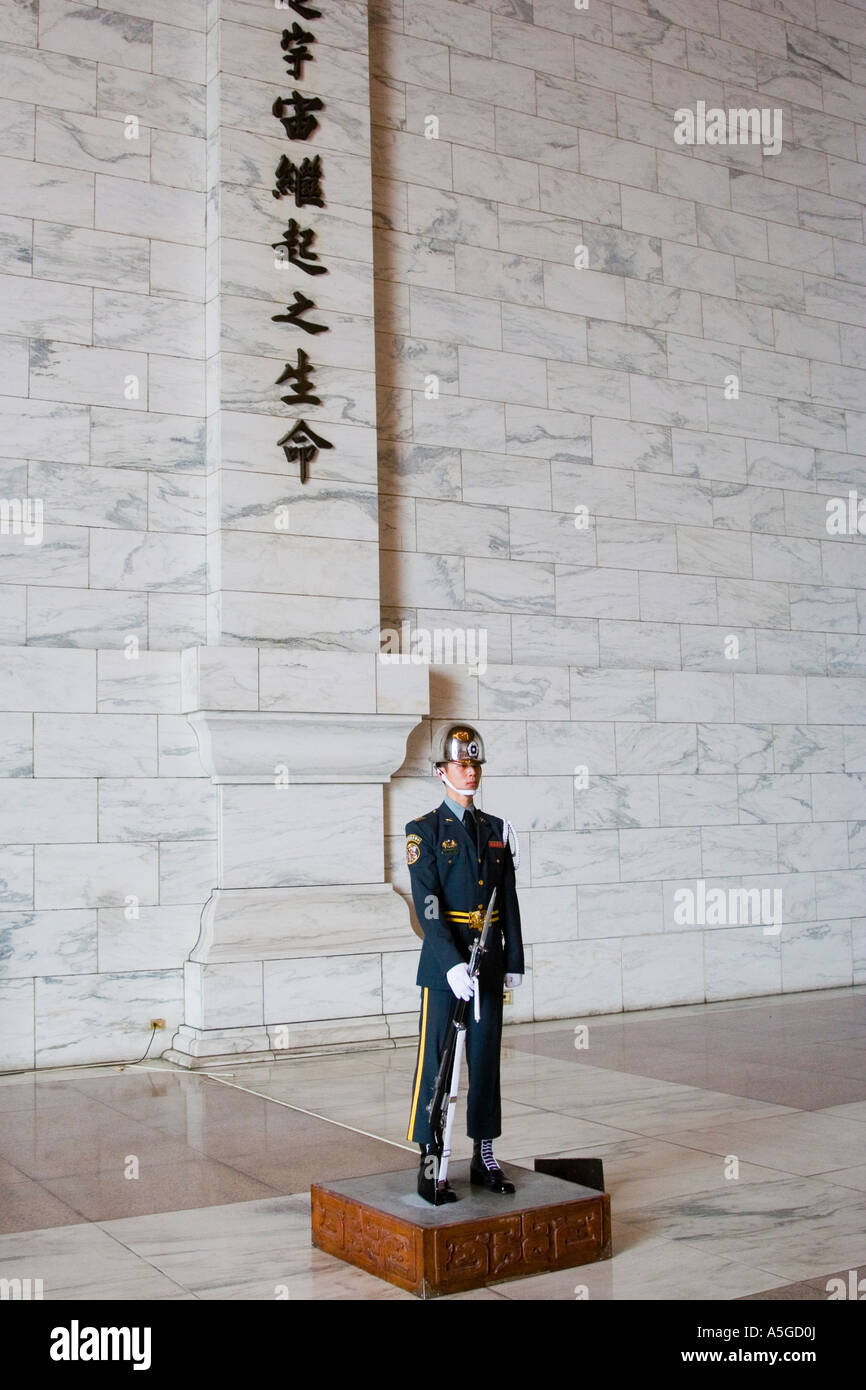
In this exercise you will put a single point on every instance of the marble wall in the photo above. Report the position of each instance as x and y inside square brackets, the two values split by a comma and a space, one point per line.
[107, 821]
[619, 379]
[614, 382]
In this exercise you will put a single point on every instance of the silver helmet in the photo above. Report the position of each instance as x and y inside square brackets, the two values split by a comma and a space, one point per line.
[460, 744]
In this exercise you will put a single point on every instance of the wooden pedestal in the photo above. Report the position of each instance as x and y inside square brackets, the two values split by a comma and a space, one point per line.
[381, 1224]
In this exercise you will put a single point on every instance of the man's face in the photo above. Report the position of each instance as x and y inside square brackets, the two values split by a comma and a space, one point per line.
[465, 776]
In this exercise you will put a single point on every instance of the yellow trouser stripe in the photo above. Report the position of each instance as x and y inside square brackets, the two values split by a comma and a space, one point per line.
[420, 1065]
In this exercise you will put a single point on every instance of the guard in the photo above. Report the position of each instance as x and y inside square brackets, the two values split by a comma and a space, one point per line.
[456, 857]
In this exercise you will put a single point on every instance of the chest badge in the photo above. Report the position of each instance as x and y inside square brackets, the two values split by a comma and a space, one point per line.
[449, 846]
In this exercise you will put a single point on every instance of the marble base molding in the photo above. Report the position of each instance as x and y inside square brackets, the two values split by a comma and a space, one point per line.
[278, 924]
[261, 746]
[198, 1049]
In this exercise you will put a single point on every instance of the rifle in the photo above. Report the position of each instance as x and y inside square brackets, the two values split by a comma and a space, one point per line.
[443, 1102]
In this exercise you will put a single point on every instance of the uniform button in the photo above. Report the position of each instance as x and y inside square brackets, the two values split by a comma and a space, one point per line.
[481, 882]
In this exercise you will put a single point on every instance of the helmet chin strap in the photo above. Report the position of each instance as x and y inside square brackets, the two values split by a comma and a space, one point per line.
[458, 791]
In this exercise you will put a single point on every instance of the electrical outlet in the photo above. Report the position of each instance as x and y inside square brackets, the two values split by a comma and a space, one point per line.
[157, 1023]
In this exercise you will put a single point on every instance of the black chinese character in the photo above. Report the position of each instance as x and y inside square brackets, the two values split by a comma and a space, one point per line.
[305, 11]
[304, 180]
[301, 445]
[300, 125]
[296, 53]
[296, 244]
[293, 315]
[300, 375]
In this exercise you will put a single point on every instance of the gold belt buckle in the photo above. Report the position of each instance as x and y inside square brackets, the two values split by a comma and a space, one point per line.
[476, 919]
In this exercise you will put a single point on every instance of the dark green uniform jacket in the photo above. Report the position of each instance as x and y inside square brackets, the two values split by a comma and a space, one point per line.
[451, 884]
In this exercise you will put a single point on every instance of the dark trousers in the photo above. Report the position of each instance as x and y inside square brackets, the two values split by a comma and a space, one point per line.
[484, 1108]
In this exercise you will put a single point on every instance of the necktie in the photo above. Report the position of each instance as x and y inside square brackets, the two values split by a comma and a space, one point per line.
[469, 824]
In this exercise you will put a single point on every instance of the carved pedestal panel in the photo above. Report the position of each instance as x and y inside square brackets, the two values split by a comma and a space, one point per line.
[380, 1224]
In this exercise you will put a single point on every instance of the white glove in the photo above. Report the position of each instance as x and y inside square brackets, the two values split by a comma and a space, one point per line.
[512, 981]
[461, 981]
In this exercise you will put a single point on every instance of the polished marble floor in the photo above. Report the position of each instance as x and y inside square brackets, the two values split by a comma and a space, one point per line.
[733, 1137]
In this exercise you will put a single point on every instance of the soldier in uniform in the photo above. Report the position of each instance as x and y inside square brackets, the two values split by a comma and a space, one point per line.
[456, 857]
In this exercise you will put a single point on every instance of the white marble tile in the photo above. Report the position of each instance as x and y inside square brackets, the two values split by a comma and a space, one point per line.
[534, 640]
[548, 914]
[187, 871]
[577, 977]
[607, 802]
[559, 858]
[158, 938]
[560, 745]
[50, 810]
[61, 252]
[659, 854]
[178, 160]
[91, 745]
[813, 846]
[619, 910]
[276, 835]
[739, 849]
[735, 748]
[147, 560]
[226, 679]
[16, 876]
[16, 746]
[170, 214]
[596, 593]
[338, 681]
[612, 694]
[816, 954]
[781, 699]
[88, 876]
[533, 803]
[48, 943]
[178, 52]
[92, 143]
[322, 988]
[175, 621]
[83, 1018]
[149, 683]
[124, 440]
[16, 1029]
[742, 961]
[167, 808]
[662, 970]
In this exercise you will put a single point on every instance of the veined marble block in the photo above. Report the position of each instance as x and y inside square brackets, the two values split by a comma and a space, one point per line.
[282, 835]
[281, 924]
[287, 749]
[305, 990]
[89, 1018]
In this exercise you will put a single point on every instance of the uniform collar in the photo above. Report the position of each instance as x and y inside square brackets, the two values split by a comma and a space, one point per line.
[455, 807]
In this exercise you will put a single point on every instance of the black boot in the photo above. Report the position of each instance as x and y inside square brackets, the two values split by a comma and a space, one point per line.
[484, 1171]
[429, 1186]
